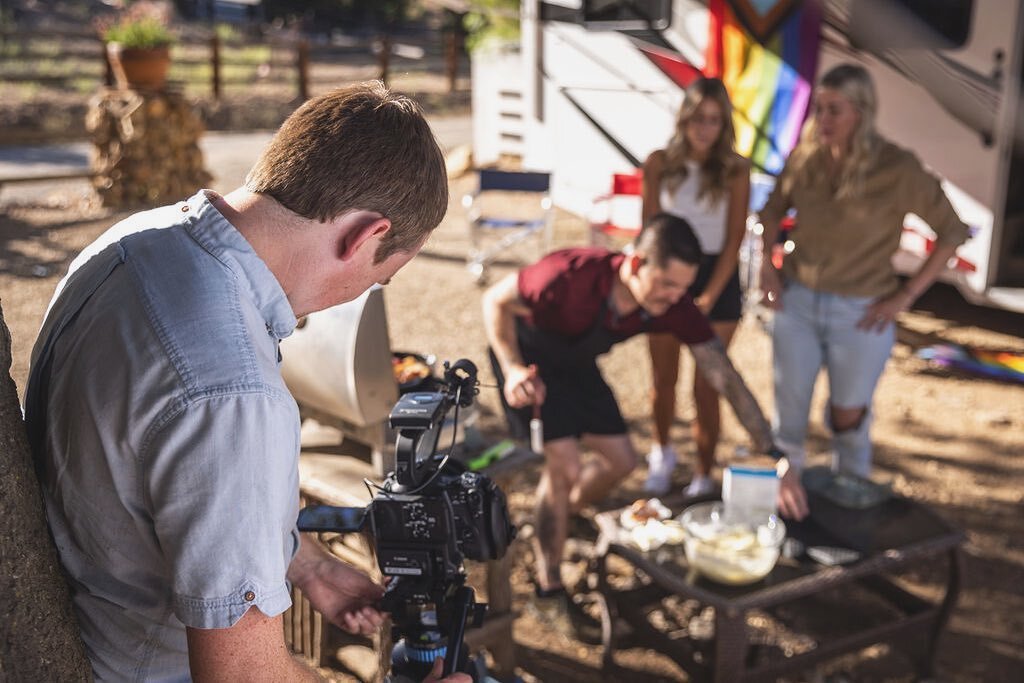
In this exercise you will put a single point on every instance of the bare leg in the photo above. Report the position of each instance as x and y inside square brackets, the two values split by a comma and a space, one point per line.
[665, 370]
[616, 458]
[561, 472]
[706, 427]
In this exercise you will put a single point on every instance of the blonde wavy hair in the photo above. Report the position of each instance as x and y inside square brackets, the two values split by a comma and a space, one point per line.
[854, 83]
[721, 163]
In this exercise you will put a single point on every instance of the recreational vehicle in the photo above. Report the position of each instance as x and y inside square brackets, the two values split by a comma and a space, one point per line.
[592, 87]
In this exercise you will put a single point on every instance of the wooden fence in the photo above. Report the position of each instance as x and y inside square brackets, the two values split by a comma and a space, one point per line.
[201, 64]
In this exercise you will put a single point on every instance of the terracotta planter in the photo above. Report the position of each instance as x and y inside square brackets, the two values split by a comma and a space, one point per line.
[139, 68]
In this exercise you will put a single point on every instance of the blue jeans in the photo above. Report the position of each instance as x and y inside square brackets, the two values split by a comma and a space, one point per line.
[816, 329]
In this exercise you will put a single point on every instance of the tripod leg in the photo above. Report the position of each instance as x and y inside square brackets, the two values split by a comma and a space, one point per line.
[455, 657]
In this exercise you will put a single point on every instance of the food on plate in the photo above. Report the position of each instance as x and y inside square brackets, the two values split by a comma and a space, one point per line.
[656, 533]
[643, 511]
[409, 369]
[648, 525]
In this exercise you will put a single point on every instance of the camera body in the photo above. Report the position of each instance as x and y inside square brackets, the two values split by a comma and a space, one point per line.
[460, 515]
[429, 515]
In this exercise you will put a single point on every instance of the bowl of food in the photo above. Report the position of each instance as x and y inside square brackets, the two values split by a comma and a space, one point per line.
[731, 550]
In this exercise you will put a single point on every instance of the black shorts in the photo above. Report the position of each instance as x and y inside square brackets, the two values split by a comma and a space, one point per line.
[578, 402]
[729, 307]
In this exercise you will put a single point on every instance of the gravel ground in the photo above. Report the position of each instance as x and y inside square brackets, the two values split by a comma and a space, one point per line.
[950, 440]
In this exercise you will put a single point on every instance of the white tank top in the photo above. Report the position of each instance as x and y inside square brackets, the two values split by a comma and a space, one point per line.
[707, 219]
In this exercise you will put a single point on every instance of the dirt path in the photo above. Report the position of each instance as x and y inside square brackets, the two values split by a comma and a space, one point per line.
[952, 441]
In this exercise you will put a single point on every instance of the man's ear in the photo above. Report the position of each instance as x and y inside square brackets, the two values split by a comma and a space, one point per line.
[356, 228]
[635, 261]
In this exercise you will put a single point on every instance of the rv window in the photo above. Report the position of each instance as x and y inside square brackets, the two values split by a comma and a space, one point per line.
[909, 24]
[949, 18]
[624, 15]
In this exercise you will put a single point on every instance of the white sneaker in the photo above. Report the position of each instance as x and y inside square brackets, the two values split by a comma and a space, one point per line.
[660, 463]
[699, 486]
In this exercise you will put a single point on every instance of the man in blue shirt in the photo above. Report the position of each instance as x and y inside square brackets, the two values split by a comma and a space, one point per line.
[166, 439]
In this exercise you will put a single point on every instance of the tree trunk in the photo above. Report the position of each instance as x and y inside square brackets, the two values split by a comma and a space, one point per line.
[39, 637]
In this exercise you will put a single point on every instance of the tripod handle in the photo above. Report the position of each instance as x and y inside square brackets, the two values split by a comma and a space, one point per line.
[464, 601]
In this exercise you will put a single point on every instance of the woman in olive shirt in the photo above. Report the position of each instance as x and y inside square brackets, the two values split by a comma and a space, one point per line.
[837, 295]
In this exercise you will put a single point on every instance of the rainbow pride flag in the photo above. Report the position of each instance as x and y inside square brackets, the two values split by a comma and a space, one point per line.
[769, 80]
[1004, 365]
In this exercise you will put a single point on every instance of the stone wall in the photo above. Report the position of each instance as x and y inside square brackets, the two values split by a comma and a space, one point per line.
[146, 147]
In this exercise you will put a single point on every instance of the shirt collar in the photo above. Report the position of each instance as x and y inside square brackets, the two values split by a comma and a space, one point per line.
[221, 239]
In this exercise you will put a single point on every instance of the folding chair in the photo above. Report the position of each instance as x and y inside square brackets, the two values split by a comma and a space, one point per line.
[507, 208]
[616, 217]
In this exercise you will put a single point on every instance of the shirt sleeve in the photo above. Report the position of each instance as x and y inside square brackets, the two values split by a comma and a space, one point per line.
[222, 483]
[685, 321]
[927, 199]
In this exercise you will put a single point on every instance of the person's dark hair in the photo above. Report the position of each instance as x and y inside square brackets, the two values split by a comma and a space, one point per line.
[361, 147]
[666, 236]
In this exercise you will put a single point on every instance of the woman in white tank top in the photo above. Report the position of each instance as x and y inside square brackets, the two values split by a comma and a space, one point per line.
[699, 177]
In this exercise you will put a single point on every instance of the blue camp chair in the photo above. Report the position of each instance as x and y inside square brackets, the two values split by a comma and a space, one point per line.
[507, 208]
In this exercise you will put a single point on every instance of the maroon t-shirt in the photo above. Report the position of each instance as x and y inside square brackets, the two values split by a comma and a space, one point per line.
[567, 290]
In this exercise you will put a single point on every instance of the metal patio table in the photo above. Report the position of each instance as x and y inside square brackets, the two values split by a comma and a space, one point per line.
[892, 538]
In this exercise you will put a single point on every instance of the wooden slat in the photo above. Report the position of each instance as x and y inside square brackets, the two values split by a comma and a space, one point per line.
[45, 178]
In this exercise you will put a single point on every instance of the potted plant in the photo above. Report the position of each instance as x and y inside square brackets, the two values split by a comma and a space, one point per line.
[138, 43]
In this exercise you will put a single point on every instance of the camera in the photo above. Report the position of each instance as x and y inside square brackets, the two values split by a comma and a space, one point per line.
[429, 515]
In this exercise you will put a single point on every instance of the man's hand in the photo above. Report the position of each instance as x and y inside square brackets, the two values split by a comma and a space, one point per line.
[342, 593]
[435, 675]
[792, 499]
[523, 386]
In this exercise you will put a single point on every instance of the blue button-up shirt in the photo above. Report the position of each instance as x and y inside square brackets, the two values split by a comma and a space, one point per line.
[169, 441]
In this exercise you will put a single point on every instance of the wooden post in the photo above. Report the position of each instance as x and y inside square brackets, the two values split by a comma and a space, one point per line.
[215, 64]
[302, 62]
[451, 58]
[384, 57]
[39, 636]
[108, 69]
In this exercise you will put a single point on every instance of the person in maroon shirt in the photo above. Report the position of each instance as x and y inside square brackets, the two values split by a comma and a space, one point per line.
[546, 326]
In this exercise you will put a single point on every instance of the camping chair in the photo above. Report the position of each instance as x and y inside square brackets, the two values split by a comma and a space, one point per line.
[616, 217]
[507, 208]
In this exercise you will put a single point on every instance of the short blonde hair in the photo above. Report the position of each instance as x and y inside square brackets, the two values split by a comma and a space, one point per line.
[361, 147]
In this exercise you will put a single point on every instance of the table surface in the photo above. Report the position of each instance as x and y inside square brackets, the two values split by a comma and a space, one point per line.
[888, 535]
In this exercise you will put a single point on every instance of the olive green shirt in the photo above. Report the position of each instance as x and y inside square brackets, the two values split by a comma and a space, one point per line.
[845, 245]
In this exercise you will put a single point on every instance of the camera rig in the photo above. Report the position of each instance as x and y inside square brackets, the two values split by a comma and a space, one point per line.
[426, 517]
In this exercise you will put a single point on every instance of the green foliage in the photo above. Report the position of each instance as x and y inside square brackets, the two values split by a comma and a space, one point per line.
[142, 33]
[491, 20]
[227, 32]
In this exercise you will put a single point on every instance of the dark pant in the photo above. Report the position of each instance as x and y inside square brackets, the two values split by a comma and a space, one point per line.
[729, 306]
[578, 402]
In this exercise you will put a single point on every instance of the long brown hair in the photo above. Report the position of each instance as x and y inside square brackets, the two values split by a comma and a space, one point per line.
[361, 147]
[718, 168]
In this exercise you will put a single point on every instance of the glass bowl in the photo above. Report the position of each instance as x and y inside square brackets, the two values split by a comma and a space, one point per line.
[730, 550]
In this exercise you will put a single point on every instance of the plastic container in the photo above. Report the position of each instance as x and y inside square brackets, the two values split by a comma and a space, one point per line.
[750, 487]
[730, 550]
